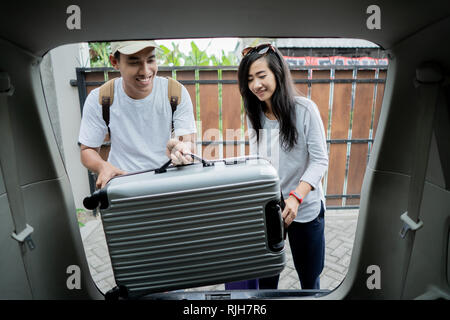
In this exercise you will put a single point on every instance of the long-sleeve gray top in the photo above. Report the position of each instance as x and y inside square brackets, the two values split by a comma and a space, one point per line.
[306, 161]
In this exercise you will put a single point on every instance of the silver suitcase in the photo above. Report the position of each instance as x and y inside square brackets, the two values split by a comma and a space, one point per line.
[189, 226]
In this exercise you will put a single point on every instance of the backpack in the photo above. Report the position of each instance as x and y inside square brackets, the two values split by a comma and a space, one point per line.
[106, 98]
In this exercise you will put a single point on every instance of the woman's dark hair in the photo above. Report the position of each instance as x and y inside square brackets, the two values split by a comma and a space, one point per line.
[283, 99]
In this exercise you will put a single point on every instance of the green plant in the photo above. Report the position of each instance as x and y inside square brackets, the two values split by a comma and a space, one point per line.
[99, 56]
[169, 57]
[229, 59]
[99, 53]
[197, 57]
[80, 212]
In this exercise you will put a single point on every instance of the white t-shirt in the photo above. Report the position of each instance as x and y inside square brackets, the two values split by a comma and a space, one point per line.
[140, 129]
[306, 161]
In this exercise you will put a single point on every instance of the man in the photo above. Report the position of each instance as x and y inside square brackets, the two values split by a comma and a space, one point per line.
[140, 118]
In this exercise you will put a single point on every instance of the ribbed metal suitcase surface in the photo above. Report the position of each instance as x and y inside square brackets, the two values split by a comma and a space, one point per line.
[193, 226]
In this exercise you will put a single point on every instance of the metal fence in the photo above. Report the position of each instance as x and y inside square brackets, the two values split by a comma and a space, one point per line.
[348, 97]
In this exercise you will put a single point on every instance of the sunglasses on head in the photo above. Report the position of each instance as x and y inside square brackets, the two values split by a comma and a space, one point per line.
[261, 49]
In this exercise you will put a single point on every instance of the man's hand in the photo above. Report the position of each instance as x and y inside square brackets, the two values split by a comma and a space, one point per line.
[178, 152]
[91, 159]
[106, 173]
[290, 210]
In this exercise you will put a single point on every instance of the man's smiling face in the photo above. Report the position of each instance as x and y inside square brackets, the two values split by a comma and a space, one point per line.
[138, 71]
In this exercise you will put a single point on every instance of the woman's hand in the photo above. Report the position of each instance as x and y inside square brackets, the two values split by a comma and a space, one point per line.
[290, 210]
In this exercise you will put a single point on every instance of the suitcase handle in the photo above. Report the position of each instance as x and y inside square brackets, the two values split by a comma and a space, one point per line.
[163, 168]
[206, 163]
[228, 161]
[194, 156]
[275, 225]
[282, 206]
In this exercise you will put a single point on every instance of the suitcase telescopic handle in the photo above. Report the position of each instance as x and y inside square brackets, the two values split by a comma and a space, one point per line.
[208, 163]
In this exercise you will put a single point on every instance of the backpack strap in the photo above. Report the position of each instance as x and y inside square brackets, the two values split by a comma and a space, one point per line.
[106, 99]
[174, 95]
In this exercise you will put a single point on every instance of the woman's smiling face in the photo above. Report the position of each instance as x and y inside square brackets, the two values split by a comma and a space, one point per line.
[261, 80]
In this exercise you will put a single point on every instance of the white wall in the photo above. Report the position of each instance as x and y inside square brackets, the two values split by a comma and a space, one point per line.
[58, 68]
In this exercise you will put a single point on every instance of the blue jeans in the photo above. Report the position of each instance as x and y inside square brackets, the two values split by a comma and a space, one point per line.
[242, 285]
[307, 241]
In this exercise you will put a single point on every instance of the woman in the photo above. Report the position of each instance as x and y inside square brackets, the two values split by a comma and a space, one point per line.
[287, 128]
